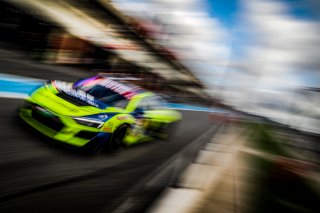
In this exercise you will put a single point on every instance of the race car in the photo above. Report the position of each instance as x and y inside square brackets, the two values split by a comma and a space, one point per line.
[98, 113]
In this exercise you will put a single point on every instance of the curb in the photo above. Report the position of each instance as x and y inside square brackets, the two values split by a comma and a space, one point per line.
[202, 176]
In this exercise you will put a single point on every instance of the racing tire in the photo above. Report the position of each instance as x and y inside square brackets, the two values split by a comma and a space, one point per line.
[93, 147]
[116, 139]
[167, 132]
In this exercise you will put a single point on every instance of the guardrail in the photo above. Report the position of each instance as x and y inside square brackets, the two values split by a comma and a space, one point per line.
[139, 197]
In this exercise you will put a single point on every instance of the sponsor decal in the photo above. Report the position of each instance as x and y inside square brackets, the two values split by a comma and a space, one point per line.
[136, 130]
[127, 92]
[102, 116]
[67, 88]
[121, 118]
[107, 129]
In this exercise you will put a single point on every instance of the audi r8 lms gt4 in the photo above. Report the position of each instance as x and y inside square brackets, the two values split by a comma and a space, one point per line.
[97, 113]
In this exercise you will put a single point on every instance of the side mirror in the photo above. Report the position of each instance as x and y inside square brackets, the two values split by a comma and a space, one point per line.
[138, 112]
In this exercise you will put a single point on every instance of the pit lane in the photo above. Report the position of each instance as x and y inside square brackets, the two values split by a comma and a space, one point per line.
[37, 175]
[40, 176]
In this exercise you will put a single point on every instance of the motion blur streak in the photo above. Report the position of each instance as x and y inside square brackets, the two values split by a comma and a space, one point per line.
[243, 74]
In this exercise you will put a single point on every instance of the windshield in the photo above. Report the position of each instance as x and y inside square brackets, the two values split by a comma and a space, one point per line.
[97, 87]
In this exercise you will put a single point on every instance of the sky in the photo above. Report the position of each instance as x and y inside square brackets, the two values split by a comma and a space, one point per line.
[225, 11]
[247, 52]
[275, 53]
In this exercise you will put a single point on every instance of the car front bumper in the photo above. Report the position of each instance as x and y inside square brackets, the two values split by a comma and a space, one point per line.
[61, 128]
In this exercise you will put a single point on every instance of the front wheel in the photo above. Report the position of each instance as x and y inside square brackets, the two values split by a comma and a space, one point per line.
[116, 139]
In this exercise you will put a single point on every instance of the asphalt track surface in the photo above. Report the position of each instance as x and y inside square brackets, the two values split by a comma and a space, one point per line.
[38, 175]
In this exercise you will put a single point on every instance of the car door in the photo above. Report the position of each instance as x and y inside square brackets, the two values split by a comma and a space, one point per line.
[153, 110]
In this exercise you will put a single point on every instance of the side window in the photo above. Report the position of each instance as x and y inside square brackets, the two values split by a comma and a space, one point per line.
[121, 103]
[156, 102]
[150, 103]
[144, 105]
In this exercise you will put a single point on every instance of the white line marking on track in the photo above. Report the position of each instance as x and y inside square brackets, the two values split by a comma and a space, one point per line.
[16, 78]
[13, 95]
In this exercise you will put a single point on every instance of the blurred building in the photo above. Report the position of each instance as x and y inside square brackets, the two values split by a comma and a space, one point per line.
[95, 36]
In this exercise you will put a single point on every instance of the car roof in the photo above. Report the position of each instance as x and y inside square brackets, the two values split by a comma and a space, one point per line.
[119, 86]
[126, 83]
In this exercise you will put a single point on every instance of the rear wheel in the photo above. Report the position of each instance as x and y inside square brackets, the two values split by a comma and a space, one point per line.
[167, 131]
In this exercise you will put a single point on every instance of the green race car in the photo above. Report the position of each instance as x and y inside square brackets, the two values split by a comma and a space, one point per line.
[97, 113]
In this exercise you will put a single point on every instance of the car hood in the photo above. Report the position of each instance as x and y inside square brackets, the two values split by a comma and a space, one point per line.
[61, 99]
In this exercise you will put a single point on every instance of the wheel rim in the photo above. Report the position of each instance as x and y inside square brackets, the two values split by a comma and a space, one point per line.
[117, 140]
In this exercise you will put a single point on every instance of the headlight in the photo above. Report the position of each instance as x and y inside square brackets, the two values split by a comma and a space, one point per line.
[88, 122]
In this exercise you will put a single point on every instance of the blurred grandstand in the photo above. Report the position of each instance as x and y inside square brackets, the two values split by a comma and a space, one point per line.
[96, 37]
